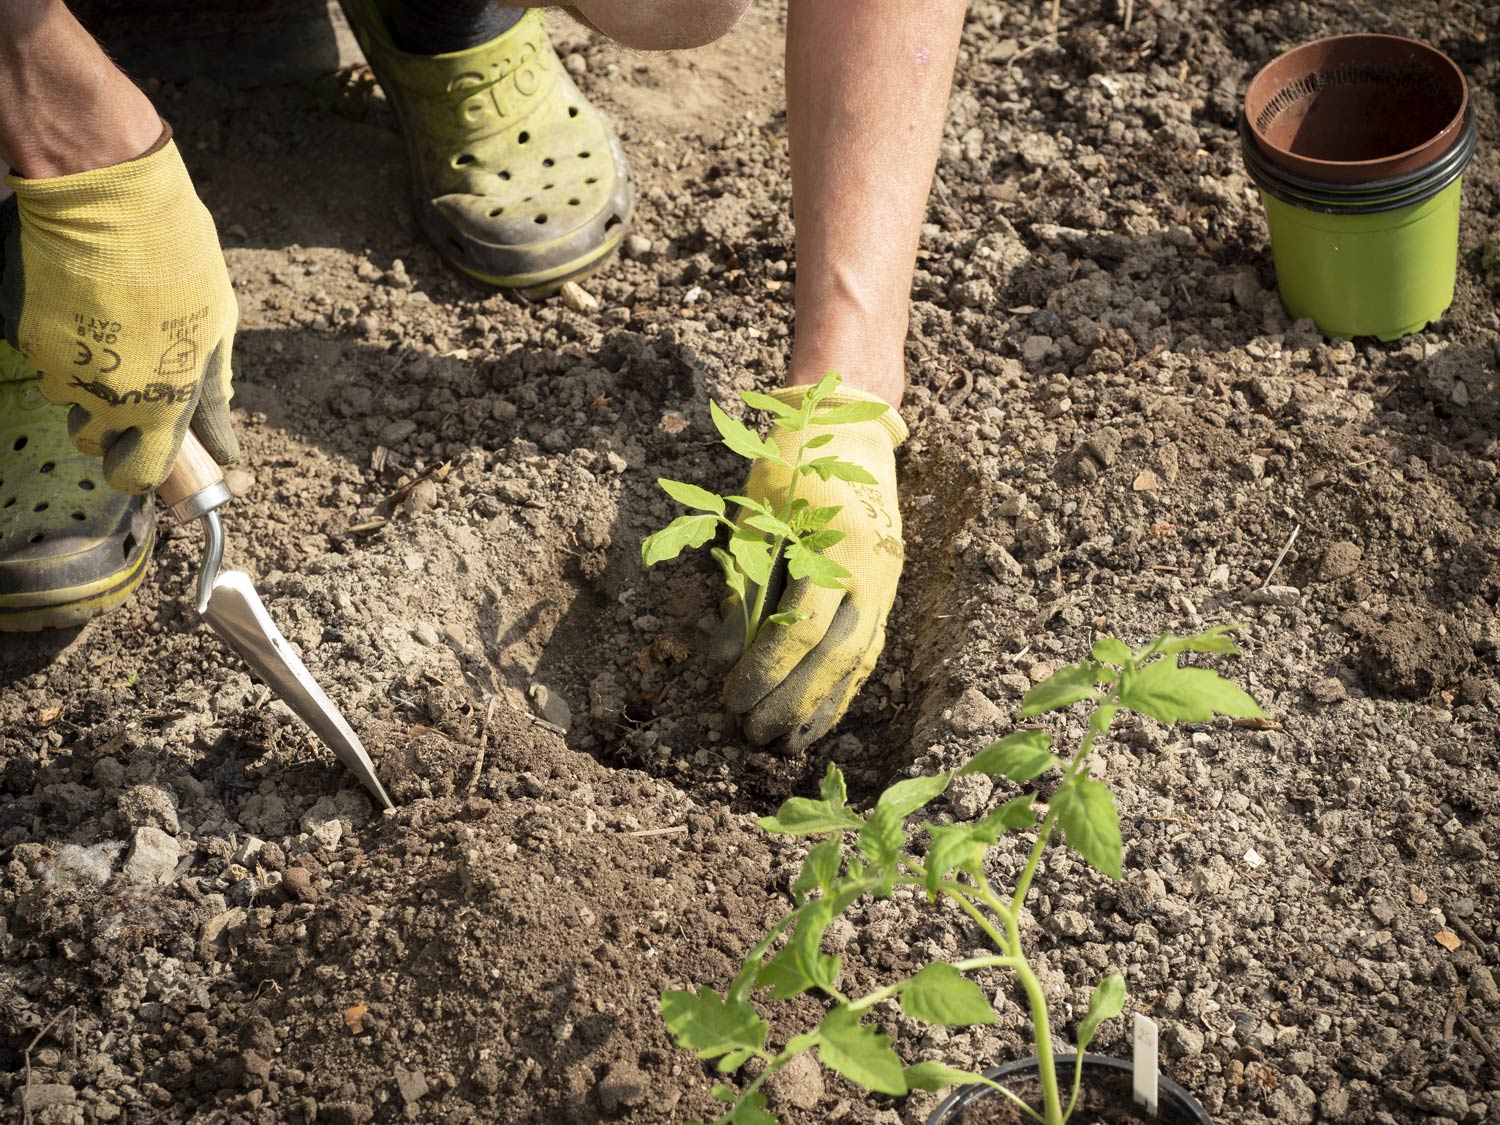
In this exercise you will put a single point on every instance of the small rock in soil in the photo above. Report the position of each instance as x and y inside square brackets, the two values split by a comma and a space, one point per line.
[153, 857]
[968, 795]
[579, 299]
[1183, 1041]
[638, 246]
[1339, 561]
[973, 713]
[1276, 595]
[623, 1086]
[411, 1083]
[1449, 1101]
[322, 823]
[298, 884]
[1327, 689]
[148, 805]
[551, 706]
[798, 1085]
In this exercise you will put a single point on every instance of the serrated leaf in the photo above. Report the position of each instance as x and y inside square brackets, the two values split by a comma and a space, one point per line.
[733, 1061]
[1213, 639]
[741, 438]
[821, 540]
[753, 554]
[860, 1053]
[692, 496]
[953, 847]
[750, 504]
[1090, 823]
[1110, 650]
[771, 525]
[812, 519]
[831, 467]
[1063, 688]
[734, 576]
[907, 796]
[750, 1111]
[1020, 756]
[766, 402]
[850, 412]
[709, 1024]
[802, 816]
[940, 994]
[817, 568]
[821, 390]
[682, 533]
[1015, 813]
[818, 442]
[832, 788]
[788, 617]
[802, 965]
[1172, 694]
[938, 1076]
[881, 837]
[723, 1093]
[819, 870]
[1107, 1002]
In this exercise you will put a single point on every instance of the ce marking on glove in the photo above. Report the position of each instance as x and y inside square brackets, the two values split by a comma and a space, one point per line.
[109, 359]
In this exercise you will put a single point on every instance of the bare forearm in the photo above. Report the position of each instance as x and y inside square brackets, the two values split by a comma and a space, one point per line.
[867, 95]
[64, 107]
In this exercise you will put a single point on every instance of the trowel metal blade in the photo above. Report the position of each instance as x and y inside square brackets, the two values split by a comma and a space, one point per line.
[238, 615]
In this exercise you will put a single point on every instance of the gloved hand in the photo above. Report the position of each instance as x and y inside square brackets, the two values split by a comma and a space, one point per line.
[797, 680]
[114, 287]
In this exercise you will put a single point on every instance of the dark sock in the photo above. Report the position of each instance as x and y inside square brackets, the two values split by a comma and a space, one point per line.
[435, 27]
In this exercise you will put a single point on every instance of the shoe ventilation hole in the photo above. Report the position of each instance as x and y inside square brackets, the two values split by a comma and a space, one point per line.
[572, 111]
[614, 221]
[47, 466]
[79, 516]
[129, 545]
[42, 507]
[497, 212]
[522, 138]
[463, 158]
[528, 199]
[572, 203]
[505, 175]
[548, 162]
[38, 537]
[541, 219]
[86, 484]
[20, 443]
[459, 246]
[548, 187]
[583, 156]
[591, 180]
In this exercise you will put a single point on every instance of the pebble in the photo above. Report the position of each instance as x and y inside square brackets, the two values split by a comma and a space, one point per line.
[577, 298]
[411, 1083]
[622, 1087]
[367, 325]
[798, 1085]
[1035, 349]
[969, 795]
[153, 857]
[143, 805]
[1183, 1040]
[974, 713]
[322, 823]
[638, 247]
[394, 433]
[1469, 844]
[576, 64]
[1276, 595]
[1002, 563]
[426, 634]
[239, 481]
[1449, 1101]
[1069, 924]
[1328, 689]
[551, 706]
[1339, 561]
[298, 884]
[423, 497]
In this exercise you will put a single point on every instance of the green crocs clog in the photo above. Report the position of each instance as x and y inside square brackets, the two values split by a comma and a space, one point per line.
[520, 183]
[71, 547]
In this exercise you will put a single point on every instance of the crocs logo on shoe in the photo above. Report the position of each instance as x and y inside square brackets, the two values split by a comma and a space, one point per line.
[484, 96]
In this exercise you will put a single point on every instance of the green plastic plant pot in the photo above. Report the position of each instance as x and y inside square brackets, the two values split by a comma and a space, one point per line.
[1386, 274]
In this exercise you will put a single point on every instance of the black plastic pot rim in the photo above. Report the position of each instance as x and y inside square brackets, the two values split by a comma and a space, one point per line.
[1169, 1093]
[1360, 199]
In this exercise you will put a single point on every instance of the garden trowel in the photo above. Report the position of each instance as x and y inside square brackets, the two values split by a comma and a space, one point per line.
[227, 600]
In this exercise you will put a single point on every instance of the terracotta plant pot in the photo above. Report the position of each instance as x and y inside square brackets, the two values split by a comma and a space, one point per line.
[1175, 1106]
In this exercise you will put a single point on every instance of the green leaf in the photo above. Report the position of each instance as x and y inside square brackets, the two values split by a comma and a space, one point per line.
[821, 390]
[801, 965]
[938, 1076]
[881, 837]
[942, 995]
[692, 496]
[802, 816]
[681, 533]
[906, 797]
[758, 401]
[1107, 1002]
[753, 554]
[750, 1111]
[1020, 756]
[1015, 813]
[1091, 823]
[1063, 688]
[771, 525]
[811, 519]
[860, 1053]
[734, 576]
[1164, 691]
[750, 505]
[821, 540]
[818, 442]
[1210, 640]
[953, 847]
[820, 869]
[850, 412]
[741, 438]
[733, 1061]
[830, 467]
[817, 568]
[788, 617]
[1110, 651]
[710, 1025]
[723, 1093]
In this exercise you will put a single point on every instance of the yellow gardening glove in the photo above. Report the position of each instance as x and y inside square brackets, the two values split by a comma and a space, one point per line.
[797, 680]
[114, 287]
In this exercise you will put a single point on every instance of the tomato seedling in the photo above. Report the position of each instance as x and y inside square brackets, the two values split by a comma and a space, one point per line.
[769, 529]
[951, 869]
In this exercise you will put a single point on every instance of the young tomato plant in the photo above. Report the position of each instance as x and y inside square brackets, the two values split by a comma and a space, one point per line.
[949, 865]
[773, 527]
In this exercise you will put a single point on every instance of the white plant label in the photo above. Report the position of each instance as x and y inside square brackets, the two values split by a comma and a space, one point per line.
[1145, 1063]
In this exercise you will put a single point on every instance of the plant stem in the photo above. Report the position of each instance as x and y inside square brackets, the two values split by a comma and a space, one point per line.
[753, 622]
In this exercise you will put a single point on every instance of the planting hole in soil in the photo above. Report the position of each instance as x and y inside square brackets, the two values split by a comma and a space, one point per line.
[1115, 430]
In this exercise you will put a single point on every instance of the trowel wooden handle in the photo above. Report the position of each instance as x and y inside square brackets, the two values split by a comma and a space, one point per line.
[195, 485]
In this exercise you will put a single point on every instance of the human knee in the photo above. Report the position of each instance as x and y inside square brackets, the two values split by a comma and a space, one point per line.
[662, 25]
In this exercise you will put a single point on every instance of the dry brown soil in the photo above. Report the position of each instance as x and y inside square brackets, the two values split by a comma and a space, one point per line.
[1114, 428]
